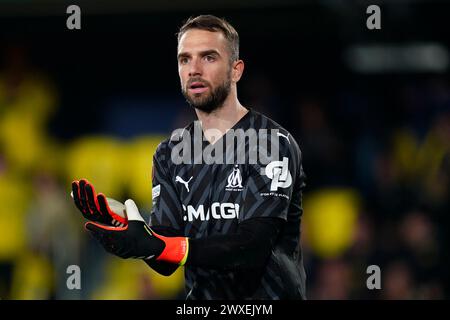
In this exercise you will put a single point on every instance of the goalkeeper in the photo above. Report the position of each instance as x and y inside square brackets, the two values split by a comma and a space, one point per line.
[234, 226]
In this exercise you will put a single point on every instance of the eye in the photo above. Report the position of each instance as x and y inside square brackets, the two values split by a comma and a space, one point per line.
[183, 60]
[210, 58]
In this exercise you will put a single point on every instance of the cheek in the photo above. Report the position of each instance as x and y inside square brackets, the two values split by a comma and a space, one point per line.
[219, 74]
[183, 75]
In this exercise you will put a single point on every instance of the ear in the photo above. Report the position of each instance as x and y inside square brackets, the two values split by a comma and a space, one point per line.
[237, 70]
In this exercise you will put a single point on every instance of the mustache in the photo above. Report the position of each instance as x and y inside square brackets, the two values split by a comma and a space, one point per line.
[192, 80]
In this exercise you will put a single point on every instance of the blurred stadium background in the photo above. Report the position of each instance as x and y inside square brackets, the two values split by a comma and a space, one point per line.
[370, 109]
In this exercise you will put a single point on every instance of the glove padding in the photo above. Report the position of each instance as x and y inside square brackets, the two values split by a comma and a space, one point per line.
[138, 240]
[93, 206]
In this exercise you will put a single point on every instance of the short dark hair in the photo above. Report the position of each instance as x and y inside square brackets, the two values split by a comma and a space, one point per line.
[214, 24]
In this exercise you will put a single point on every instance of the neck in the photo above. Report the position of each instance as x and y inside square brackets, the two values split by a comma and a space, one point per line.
[218, 122]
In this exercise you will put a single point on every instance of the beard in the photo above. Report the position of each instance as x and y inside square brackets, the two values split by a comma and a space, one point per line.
[211, 101]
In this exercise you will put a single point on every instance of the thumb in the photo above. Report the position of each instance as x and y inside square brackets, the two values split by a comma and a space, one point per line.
[133, 211]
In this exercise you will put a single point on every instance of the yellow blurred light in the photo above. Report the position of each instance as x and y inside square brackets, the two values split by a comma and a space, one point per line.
[33, 278]
[14, 197]
[102, 160]
[139, 174]
[23, 140]
[330, 219]
[167, 287]
[133, 279]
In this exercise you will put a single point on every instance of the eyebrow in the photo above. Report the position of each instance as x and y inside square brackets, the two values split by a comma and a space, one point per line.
[202, 53]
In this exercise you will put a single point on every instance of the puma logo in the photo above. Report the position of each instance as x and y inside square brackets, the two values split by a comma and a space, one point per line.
[284, 136]
[186, 183]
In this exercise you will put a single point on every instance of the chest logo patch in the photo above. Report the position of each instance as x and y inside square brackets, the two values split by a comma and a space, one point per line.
[234, 180]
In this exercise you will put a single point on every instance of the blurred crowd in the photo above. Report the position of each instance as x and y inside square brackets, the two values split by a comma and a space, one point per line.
[41, 231]
[378, 185]
[379, 169]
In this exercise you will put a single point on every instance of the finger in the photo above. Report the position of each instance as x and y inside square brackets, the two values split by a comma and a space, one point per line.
[103, 204]
[76, 197]
[92, 199]
[83, 196]
[106, 210]
[75, 193]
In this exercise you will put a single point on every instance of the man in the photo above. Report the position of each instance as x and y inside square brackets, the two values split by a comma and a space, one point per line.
[234, 225]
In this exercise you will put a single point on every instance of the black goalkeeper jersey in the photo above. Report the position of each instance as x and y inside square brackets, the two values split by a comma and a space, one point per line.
[201, 198]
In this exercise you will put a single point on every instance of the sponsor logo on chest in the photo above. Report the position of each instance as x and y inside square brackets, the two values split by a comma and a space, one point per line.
[216, 211]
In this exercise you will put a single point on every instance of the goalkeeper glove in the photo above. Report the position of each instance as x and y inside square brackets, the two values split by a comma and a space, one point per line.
[138, 240]
[94, 206]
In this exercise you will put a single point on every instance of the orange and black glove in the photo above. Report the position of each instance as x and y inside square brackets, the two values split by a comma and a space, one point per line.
[93, 206]
[138, 240]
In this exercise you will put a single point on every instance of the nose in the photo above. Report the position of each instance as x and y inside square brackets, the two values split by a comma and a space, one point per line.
[195, 68]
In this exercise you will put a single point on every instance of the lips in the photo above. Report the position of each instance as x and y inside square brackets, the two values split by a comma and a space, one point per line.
[197, 87]
[198, 90]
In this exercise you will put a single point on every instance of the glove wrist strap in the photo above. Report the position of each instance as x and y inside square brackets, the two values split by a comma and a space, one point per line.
[175, 251]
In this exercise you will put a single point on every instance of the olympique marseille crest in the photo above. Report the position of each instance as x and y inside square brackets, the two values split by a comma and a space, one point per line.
[234, 180]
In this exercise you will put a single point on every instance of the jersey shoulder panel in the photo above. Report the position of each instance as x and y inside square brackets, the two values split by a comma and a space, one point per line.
[287, 143]
[163, 150]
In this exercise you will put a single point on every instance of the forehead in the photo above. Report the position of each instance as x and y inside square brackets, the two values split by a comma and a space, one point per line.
[196, 40]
